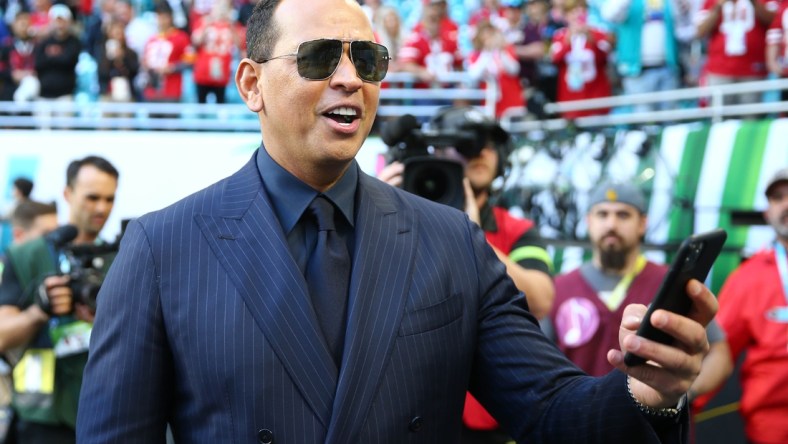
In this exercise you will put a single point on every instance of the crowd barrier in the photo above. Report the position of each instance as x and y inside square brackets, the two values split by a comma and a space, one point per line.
[397, 97]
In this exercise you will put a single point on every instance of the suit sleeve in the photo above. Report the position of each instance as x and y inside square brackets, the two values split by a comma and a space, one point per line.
[534, 390]
[125, 394]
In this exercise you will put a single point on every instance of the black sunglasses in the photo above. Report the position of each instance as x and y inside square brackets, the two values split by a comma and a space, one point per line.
[318, 59]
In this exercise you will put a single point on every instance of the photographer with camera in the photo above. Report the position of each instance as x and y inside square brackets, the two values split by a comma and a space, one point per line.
[40, 313]
[481, 146]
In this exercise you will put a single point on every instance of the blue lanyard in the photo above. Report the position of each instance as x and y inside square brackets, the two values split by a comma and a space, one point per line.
[782, 266]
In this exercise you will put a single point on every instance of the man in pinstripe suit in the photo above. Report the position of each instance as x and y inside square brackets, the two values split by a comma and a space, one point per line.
[205, 321]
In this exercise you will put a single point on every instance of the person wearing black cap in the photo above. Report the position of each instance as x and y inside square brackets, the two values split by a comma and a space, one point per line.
[754, 314]
[514, 240]
[590, 300]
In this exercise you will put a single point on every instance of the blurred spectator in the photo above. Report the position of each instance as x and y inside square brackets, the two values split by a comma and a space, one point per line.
[82, 9]
[95, 28]
[493, 58]
[199, 10]
[39, 18]
[490, 11]
[777, 46]
[31, 219]
[118, 65]
[449, 30]
[557, 12]
[536, 67]
[179, 10]
[165, 57]
[139, 27]
[512, 21]
[370, 8]
[216, 39]
[18, 79]
[754, 314]
[388, 27]
[647, 45]
[431, 49]
[736, 31]
[56, 56]
[581, 54]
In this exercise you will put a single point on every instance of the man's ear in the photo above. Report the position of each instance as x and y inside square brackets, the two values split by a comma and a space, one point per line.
[247, 77]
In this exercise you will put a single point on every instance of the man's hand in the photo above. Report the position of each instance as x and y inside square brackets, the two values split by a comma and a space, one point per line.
[59, 294]
[671, 369]
[392, 174]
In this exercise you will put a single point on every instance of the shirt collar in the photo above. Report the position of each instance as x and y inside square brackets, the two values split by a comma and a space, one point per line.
[290, 196]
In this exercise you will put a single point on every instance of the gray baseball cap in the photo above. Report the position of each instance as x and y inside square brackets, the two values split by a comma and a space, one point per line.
[618, 192]
[780, 176]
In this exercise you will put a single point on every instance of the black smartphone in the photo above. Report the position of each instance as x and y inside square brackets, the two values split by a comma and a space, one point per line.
[693, 260]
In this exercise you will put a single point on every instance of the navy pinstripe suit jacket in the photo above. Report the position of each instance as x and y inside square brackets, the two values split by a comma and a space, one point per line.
[204, 322]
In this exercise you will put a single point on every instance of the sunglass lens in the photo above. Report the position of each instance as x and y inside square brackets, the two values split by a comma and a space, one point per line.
[318, 59]
[370, 59]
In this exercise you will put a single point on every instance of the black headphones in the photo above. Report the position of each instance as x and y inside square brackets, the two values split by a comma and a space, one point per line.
[483, 127]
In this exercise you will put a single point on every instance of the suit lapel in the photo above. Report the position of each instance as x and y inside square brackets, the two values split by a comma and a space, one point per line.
[248, 241]
[382, 266]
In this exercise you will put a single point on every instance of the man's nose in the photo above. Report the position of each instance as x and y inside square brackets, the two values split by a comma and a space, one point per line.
[346, 75]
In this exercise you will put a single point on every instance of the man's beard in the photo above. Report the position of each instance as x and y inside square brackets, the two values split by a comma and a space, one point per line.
[780, 227]
[613, 259]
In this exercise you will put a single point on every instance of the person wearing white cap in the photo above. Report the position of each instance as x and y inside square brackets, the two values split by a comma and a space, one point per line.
[56, 56]
[754, 314]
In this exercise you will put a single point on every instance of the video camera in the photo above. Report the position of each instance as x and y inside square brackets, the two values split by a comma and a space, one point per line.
[86, 264]
[426, 173]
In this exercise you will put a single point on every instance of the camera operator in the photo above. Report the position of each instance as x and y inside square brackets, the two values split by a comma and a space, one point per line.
[514, 241]
[29, 219]
[38, 312]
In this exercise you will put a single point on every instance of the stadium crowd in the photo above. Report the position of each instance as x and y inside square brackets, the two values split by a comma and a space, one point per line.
[537, 51]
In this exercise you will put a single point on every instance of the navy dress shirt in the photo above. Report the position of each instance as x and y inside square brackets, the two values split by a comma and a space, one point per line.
[290, 196]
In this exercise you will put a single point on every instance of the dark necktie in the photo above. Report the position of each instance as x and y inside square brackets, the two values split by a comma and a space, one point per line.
[327, 275]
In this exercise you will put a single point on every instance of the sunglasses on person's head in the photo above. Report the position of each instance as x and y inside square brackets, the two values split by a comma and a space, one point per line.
[318, 59]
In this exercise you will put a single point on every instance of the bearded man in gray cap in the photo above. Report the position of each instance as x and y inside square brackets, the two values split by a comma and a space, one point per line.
[589, 301]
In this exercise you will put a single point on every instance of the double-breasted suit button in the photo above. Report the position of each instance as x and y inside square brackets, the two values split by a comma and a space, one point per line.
[416, 424]
[265, 436]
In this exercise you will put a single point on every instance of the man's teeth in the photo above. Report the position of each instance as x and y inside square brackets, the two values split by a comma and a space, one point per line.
[348, 114]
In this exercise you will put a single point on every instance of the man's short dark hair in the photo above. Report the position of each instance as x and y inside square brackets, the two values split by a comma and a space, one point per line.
[99, 162]
[25, 186]
[27, 211]
[262, 31]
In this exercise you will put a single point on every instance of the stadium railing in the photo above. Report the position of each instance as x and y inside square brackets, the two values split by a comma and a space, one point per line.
[519, 121]
[397, 98]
